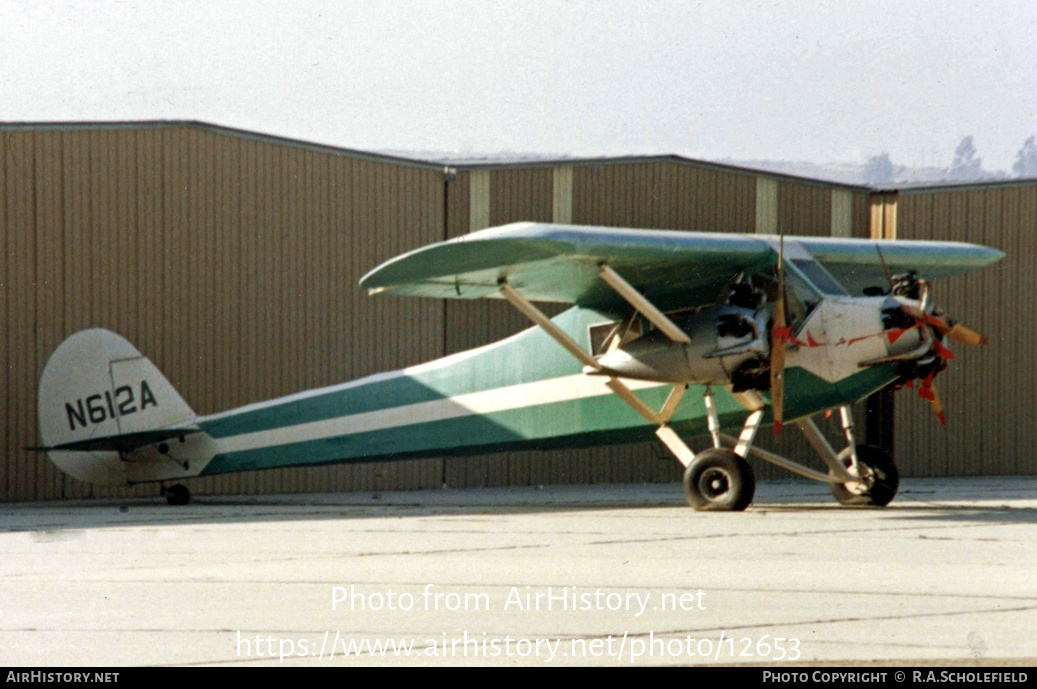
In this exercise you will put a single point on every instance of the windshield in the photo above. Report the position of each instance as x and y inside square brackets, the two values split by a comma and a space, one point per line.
[801, 297]
[819, 277]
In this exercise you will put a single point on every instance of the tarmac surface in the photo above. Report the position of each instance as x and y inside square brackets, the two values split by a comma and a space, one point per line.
[593, 575]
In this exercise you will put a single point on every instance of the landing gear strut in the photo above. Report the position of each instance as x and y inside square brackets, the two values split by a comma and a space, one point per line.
[720, 479]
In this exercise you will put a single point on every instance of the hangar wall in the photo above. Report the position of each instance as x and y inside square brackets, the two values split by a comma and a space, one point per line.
[231, 259]
[988, 395]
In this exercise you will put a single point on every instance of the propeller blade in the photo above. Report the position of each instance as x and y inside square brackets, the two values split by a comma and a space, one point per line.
[927, 391]
[779, 339]
[957, 332]
[938, 407]
[966, 336]
[778, 344]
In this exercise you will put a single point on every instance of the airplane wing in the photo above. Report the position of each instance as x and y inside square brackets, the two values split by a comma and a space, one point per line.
[560, 263]
[858, 263]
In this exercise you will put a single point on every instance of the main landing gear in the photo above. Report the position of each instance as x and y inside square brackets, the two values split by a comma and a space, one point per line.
[720, 479]
[177, 494]
[879, 479]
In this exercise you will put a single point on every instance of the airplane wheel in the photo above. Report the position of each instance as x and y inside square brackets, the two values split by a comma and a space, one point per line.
[718, 480]
[177, 495]
[882, 475]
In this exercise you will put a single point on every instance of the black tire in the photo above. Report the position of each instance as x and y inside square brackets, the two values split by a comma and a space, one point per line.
[177, 495]
[883, 479]
[718, 480]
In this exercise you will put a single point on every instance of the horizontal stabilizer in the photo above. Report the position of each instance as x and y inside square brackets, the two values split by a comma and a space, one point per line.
[127, 442]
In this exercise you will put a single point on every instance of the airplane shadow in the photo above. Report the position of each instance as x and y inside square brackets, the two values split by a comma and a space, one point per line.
[991, 501]
[931, 512]
[1002, 500]
[154, 512]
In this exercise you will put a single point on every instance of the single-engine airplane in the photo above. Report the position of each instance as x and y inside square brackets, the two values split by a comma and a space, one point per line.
[669, 335]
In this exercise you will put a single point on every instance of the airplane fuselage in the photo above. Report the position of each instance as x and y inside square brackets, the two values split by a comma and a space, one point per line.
[523, 392]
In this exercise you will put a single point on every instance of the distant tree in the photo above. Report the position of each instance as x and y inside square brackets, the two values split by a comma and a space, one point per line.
[1026, 160]
[966, 165]
[878, 170]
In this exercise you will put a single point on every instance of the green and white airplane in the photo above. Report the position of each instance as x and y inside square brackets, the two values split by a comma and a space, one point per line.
[670, 335]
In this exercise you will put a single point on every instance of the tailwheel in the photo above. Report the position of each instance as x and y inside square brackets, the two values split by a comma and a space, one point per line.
[880, 483]
[718, 480]
[177, 495]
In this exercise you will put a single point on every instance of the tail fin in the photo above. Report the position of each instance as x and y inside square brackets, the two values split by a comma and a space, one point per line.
[100, 397]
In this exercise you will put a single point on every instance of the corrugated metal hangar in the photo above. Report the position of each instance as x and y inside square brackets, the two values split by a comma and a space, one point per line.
[231, 259]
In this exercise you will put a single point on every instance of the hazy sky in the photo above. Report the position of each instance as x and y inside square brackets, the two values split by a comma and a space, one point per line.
[815, 81]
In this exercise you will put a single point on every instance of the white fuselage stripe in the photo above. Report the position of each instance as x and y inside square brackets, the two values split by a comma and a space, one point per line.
[564, 389]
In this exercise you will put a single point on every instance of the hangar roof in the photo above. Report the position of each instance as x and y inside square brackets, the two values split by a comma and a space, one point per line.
[502, 160]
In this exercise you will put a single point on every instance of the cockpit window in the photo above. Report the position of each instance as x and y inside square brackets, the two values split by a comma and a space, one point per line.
[801, 297]
[820, 277]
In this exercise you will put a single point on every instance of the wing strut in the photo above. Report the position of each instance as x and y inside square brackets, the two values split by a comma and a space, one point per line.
[661, 417]
[647, 309]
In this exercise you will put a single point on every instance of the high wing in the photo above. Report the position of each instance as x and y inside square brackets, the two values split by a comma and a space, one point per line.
[561, 263]
[858, 263]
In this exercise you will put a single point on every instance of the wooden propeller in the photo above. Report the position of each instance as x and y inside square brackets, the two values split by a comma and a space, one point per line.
[955, 331]
[944, 328]
[928, 392]
[779, 339]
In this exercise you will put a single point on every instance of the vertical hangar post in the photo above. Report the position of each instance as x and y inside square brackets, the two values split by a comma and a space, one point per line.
[232, 259]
